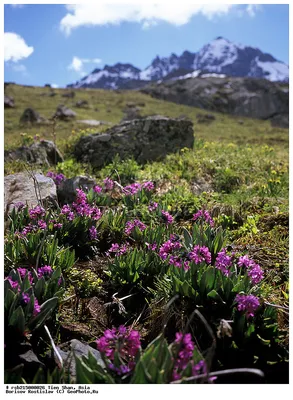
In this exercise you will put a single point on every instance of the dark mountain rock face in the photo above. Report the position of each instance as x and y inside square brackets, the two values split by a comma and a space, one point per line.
[257, 98]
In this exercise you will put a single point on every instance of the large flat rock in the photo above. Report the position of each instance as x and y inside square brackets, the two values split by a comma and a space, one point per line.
[145, 139]
[23, 188]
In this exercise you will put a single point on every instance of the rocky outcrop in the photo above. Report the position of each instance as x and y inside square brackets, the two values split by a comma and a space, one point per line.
[64, 113]
[249, 97]
[28, 189]
[42, 153]
[145, 139]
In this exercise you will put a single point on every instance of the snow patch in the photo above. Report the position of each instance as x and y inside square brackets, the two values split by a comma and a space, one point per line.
[276, 71]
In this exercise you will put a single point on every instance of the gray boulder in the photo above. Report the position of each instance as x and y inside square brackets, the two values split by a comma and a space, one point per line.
[69, 95]
[66, 191]
[280, 120]
[8, 102]
[146, 139]
[28, 189]
[82, 104]
[79, 349]
[92, 122]
[30, 116]
[43, 153]
[64, 113]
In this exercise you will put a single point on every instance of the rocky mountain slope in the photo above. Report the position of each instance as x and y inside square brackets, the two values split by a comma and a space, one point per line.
[256, 98]
[220, 57]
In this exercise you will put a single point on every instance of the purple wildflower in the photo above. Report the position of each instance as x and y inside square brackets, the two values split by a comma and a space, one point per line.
[247, 303]
[97, 189]
[66, 209]
[57, 178]
[19, 205]
[37, 211]
[255, 273]
[130, 226]
[96, 213]
[148, 185]
[185, 353]
[244, 261]
[27, 229]
[37, 308]
[168, 219]
[80, 196]
[109, 184]
[204, 214]
[93, 233]
[200, 254]
[125, 342]
[118, 250]
[45, 270]
[22, 272]
[132, 189]
[167, 248]
[42, 224]
[224, 262]
[25, 298]
[153, 206]
[254, 270]
[14, 284]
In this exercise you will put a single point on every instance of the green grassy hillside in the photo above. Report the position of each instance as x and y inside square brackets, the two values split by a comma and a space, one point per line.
[108, 106]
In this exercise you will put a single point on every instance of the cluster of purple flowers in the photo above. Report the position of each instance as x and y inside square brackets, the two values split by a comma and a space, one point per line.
[130, 226]
[199, 254]
[204, 215]
[136, 187]
[19, 205]
[167, 218]
[118, 250]
[36, 212]
[168, 248]
[42, 224]
[81, 208]
[57, 178]
[247, 303]
[126, 342]
[45, 270]
[97, 189]
[93, 233]
[185, 357]
[132, 189]
[254, 271]
[108, 183]
[224, 262]
[152, 206]
[172, 248]
[27, 229]
[25, 296]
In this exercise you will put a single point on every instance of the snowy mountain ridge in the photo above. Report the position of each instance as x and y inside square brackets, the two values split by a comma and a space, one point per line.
[219, 58]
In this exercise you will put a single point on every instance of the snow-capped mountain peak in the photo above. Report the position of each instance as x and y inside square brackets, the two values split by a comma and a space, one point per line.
[220, 56]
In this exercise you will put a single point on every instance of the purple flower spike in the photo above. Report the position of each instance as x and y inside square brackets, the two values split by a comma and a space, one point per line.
[247, 303]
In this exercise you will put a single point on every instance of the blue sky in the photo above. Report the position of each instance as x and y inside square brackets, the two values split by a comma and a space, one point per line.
[58, 44]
